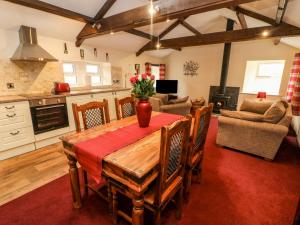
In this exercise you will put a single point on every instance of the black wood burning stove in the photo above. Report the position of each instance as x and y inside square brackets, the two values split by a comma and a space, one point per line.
[221, 98]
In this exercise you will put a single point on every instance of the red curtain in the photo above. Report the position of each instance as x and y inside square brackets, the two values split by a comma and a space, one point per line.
[148, 68]
[293, 90]
[162, 71]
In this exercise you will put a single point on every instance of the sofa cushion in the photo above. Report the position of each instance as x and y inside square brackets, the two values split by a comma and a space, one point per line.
[243, 115]
[180, 100]
[255, 106]
[162, 97]
[275, 113]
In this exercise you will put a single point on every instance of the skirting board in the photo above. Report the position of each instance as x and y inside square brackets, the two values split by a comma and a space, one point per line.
[46, 142]
[16, 151]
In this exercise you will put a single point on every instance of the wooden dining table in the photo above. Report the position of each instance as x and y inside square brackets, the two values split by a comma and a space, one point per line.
[132, 167]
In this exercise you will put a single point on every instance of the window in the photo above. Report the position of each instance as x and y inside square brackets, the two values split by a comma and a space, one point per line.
[263, 76]
[94, 72]
[69, 74]
[155, 72]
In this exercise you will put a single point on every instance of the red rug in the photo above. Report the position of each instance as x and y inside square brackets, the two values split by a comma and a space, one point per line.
[236, 189]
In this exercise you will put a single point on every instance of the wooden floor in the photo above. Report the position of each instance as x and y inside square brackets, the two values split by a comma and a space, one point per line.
[22, 174]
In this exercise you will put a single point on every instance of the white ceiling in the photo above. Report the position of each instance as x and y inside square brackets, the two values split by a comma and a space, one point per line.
[12, 16]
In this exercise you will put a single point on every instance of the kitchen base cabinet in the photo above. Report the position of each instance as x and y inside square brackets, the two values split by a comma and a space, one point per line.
[16, 131]
[16, 151]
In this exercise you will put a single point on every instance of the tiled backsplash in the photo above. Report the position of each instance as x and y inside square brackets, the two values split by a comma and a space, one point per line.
[29, 77]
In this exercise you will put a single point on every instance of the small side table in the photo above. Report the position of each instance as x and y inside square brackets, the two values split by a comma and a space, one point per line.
[196, 104]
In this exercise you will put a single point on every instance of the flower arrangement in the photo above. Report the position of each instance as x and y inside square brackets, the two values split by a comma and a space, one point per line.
[143, 86]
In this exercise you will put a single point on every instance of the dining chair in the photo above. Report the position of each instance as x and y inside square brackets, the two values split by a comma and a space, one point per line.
[169, 183]
[93, 114]
[196, 147]
[125, 107]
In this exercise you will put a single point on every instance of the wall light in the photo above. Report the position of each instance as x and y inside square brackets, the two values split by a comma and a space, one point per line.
[265, 33]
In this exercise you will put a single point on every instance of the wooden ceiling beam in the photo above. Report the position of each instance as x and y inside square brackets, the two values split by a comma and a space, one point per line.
[282, 5]
[256, 33]
[189, 27]
[168, 10]
[88, 27]
[142, 34]
[46, 7]
[242, 20]
[163, 34]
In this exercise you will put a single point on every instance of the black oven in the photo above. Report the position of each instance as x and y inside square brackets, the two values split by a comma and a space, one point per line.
[49, 114]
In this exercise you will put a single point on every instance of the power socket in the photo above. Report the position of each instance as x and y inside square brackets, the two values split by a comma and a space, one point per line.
[10, 85]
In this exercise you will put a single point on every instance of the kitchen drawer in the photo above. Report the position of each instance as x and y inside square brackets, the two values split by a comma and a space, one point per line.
[14, 107]
[15, 119]
[16, 137]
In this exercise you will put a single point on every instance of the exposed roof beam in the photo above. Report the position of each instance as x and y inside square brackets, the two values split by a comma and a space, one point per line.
[242, 20]
[164, 33]
[46, 7]
[255, 15]
[281, 30]
[281, 10]
[168, 10]
[141, 34]
[189, 27]
[88, 27]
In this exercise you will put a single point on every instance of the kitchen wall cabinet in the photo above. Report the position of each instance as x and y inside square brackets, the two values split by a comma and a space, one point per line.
[82, 99]
[16, 131]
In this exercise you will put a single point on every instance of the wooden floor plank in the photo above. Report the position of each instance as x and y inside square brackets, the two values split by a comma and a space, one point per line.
[22, 174]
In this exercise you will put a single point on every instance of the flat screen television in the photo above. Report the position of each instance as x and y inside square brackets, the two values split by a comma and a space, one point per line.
[166, 86]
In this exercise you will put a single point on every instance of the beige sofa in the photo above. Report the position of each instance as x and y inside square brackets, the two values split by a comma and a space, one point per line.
[160, 103]
[254, 131]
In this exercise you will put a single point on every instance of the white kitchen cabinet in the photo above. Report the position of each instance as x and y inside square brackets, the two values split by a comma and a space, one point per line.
[16, 131]
[82, 99]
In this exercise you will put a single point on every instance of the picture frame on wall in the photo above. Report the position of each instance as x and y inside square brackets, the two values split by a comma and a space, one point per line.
[137, 68]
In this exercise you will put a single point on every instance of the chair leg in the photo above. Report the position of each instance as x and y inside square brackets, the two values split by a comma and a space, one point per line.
[179, 203]
[115, 205]
[198, 172]
[85, 181]
[187, 185]
[157, 219]
[110, 198]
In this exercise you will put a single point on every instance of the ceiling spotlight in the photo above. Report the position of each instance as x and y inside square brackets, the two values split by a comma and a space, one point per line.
[153, 9]
[168, 20]
[265, 33]
[98, 26]
[158, 45]
[112, 33]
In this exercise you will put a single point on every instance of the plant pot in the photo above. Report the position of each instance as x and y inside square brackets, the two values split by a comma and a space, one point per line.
[143, 112]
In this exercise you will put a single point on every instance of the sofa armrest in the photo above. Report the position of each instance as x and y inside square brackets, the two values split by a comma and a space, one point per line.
[155, 103]
[179, 108]
[254, 126]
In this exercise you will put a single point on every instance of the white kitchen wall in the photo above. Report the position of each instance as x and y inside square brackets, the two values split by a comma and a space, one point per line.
[27, 78]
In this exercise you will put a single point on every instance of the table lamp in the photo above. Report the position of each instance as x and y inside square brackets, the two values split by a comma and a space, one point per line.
[261, 95]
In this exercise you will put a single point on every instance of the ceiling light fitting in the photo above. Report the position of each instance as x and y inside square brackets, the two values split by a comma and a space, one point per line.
[265, 33]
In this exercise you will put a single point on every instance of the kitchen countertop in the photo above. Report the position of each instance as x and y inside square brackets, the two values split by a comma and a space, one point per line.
[26, 97]
[12, 98]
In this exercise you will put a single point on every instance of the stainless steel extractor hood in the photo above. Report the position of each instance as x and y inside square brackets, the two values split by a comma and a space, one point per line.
[29, 50]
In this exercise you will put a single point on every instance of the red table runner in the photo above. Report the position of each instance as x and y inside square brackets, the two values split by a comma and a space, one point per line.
[91, 152]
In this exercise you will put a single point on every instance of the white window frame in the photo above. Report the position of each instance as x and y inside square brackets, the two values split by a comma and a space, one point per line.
[96, 74]
[71, 74]
[266, 82]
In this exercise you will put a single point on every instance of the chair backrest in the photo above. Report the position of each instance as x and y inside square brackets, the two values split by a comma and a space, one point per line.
[125, 107]
[93, 114]
[201, 124]
[173, 153]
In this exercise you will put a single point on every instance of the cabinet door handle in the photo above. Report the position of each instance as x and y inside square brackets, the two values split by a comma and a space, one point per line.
[15, 133]
[10, 116]
[12, 107]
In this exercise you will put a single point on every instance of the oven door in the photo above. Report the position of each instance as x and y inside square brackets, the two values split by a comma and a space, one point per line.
[50, 117]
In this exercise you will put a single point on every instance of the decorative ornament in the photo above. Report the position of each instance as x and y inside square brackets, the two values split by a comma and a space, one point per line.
[191, 68]
[81, 53]
[95, 52]
[107, 57]
[137, 68]
[66, 48]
